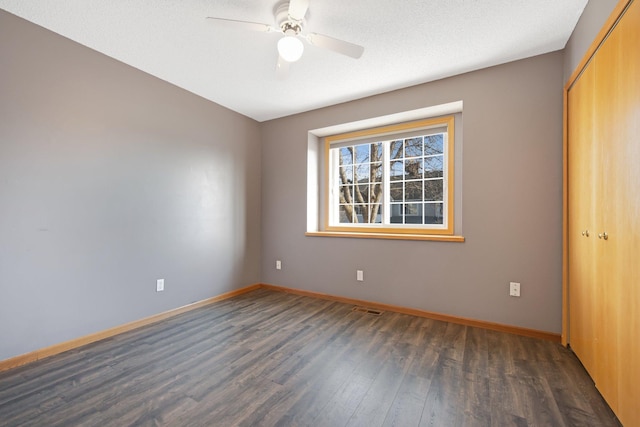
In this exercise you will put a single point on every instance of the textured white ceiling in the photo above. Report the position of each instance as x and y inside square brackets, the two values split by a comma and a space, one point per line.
[406, 42]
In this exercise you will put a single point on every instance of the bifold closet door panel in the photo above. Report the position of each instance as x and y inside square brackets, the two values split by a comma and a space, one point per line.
[628, 267]
[618, 120]
[581, 219]
[606, 121]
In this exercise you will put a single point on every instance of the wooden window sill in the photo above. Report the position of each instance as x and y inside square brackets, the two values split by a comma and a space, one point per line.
[391, 236]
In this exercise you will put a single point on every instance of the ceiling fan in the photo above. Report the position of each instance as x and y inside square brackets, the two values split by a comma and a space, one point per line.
[289, 17]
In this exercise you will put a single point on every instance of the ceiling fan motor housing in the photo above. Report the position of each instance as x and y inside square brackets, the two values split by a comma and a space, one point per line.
[287, 24]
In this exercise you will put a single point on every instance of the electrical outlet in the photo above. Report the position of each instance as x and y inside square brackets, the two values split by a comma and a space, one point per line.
[359, 275]
[278, 265]
[514, 289]
[159, 285]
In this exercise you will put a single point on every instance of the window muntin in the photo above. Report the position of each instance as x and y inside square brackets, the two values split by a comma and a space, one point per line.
[359, 183]
[395, 179]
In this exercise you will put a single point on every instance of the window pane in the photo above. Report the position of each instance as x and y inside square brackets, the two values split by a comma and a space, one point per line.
[362, 193]
[413, 191]
[367, 214]
[396, 191]
[345, 212]
[413, 213]
[413, 169]
[346, 194]
[376, 213]
[361, 213]
[433, 144]
[433, 190]
[413, 147]
[433, 167]
[362, 153]
[433, 213]
[376, 172]
[346, 155]
[395, 151]
[346, 174]
[376, 152]
[375, 193]
[396, 216]
[397, 170]
[362, 173]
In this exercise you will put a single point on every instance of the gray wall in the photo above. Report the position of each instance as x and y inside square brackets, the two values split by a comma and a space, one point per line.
[511, 204]
[109, 180]
[593, 18]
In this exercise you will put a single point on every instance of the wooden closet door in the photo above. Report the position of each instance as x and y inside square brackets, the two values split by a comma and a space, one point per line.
[606, 188]
[628, 220]
[581, 199]
[604, 197]
[618, 127]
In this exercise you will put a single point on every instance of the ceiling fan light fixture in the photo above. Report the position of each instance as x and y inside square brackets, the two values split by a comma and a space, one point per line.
[290, 48]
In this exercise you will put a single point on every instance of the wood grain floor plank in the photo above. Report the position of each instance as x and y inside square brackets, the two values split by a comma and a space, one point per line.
[442, 404]
[319, 383]
[373, 408]
[411, 397]
[475, 402]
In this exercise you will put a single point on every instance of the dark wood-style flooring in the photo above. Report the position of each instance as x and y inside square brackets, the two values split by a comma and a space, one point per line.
[269, 358]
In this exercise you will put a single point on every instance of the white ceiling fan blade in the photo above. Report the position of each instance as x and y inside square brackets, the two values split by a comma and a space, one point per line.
[242, 25]
[298, 8]
[282, 68]
[336, 45]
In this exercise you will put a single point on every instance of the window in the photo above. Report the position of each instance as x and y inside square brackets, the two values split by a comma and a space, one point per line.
[393, 179]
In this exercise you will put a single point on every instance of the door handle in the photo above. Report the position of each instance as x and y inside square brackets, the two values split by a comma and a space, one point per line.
[604, 236]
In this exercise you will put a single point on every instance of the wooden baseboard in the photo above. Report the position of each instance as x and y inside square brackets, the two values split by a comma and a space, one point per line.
[97, 336]
[533, 333]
